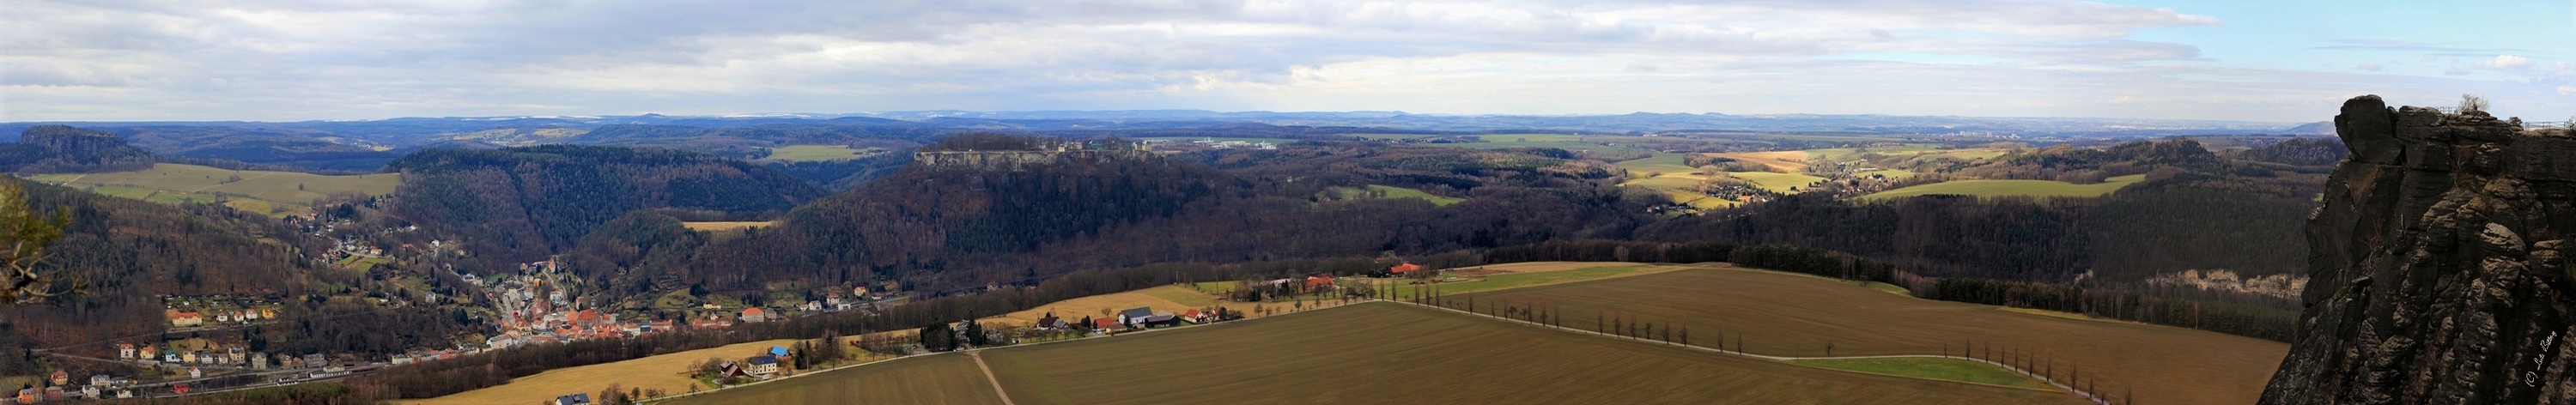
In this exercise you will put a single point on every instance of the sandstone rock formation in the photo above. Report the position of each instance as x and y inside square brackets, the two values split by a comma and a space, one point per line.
[2439, 269]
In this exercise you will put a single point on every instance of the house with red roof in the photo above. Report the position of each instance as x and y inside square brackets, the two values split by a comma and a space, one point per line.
[1318, 281]
[1106, 324]
[1404, 269]
[1193, 316]
[754, 314]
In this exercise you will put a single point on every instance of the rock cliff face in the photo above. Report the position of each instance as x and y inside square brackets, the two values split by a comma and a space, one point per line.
[2439, 266]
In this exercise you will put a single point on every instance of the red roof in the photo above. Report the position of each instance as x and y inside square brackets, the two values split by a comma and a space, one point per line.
[753, 311]
[1319, 281]
[1104, 323]
[1192, 313]
[1405, 268]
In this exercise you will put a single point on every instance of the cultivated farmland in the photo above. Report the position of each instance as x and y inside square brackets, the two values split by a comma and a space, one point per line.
[258, 191]
[1786, 314]
[1997, 188]
[949, 378]
[1394, 353]
[667, 372]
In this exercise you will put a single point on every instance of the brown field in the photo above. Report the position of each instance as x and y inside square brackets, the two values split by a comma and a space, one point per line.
[669, 372]
[1795, 315]
[1365, 353]
[1394, 353]
[949, 378]
[1786, 161]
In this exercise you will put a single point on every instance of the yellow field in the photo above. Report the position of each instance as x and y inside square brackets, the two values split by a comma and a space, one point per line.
[265, 192]
[1172, 298]
[1786, 161]
[668, 372]
[1778, 182]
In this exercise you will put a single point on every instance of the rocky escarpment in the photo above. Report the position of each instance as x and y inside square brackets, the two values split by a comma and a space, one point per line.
[2439, 266]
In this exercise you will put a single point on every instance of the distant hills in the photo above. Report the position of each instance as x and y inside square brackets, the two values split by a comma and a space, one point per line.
[366, 145]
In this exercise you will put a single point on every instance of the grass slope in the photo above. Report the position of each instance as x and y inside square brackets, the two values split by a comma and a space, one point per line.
[267, 192]
[1796, 315]
[1392, 353]
[949, 378]
[1997, 188]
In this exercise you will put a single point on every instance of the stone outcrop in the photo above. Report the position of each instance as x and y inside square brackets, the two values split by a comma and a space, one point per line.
[2439, 269]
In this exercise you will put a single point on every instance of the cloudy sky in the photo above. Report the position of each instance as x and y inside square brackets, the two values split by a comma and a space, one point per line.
[2279, 61]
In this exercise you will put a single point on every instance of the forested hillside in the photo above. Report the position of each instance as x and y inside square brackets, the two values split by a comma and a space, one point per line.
[2194, 211]
[130, 253]
[521, 204]
[938, 228]
[62, 149]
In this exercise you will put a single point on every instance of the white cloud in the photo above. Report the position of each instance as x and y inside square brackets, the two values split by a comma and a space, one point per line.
[2506, 62]
[2567, 90]
[358, 59]
[2367, 66]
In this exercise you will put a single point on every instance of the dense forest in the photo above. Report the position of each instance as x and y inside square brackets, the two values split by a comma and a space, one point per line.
[2181, 217]
[944, 228]
[62, 149]
[521, 204]
[131, 252]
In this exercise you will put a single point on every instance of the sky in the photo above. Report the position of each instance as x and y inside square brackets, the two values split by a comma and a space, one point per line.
[2269, 61]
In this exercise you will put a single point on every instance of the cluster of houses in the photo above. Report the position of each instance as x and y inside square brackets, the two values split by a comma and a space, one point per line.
[213, 355]
[100, 386]
[209, 310]
[1212, 143]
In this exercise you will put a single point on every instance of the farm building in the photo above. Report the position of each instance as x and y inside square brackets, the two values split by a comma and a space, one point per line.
[573, 399]
[762, 366]
[754, 315]
[1104, 324]
[1133, 316]
[1404, 269]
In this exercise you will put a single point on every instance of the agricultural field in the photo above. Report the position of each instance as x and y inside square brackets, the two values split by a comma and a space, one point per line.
[1783, 314]
[668, 372]
[949, 378]
[1786, 161]
[1786, 183]
[1379, 191]
[819, 153]
[1932, 368]
[1172, 298]
[1395, 353]
[1998, 188]
[1672, 179]
[258, 191]
[1517, 275]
